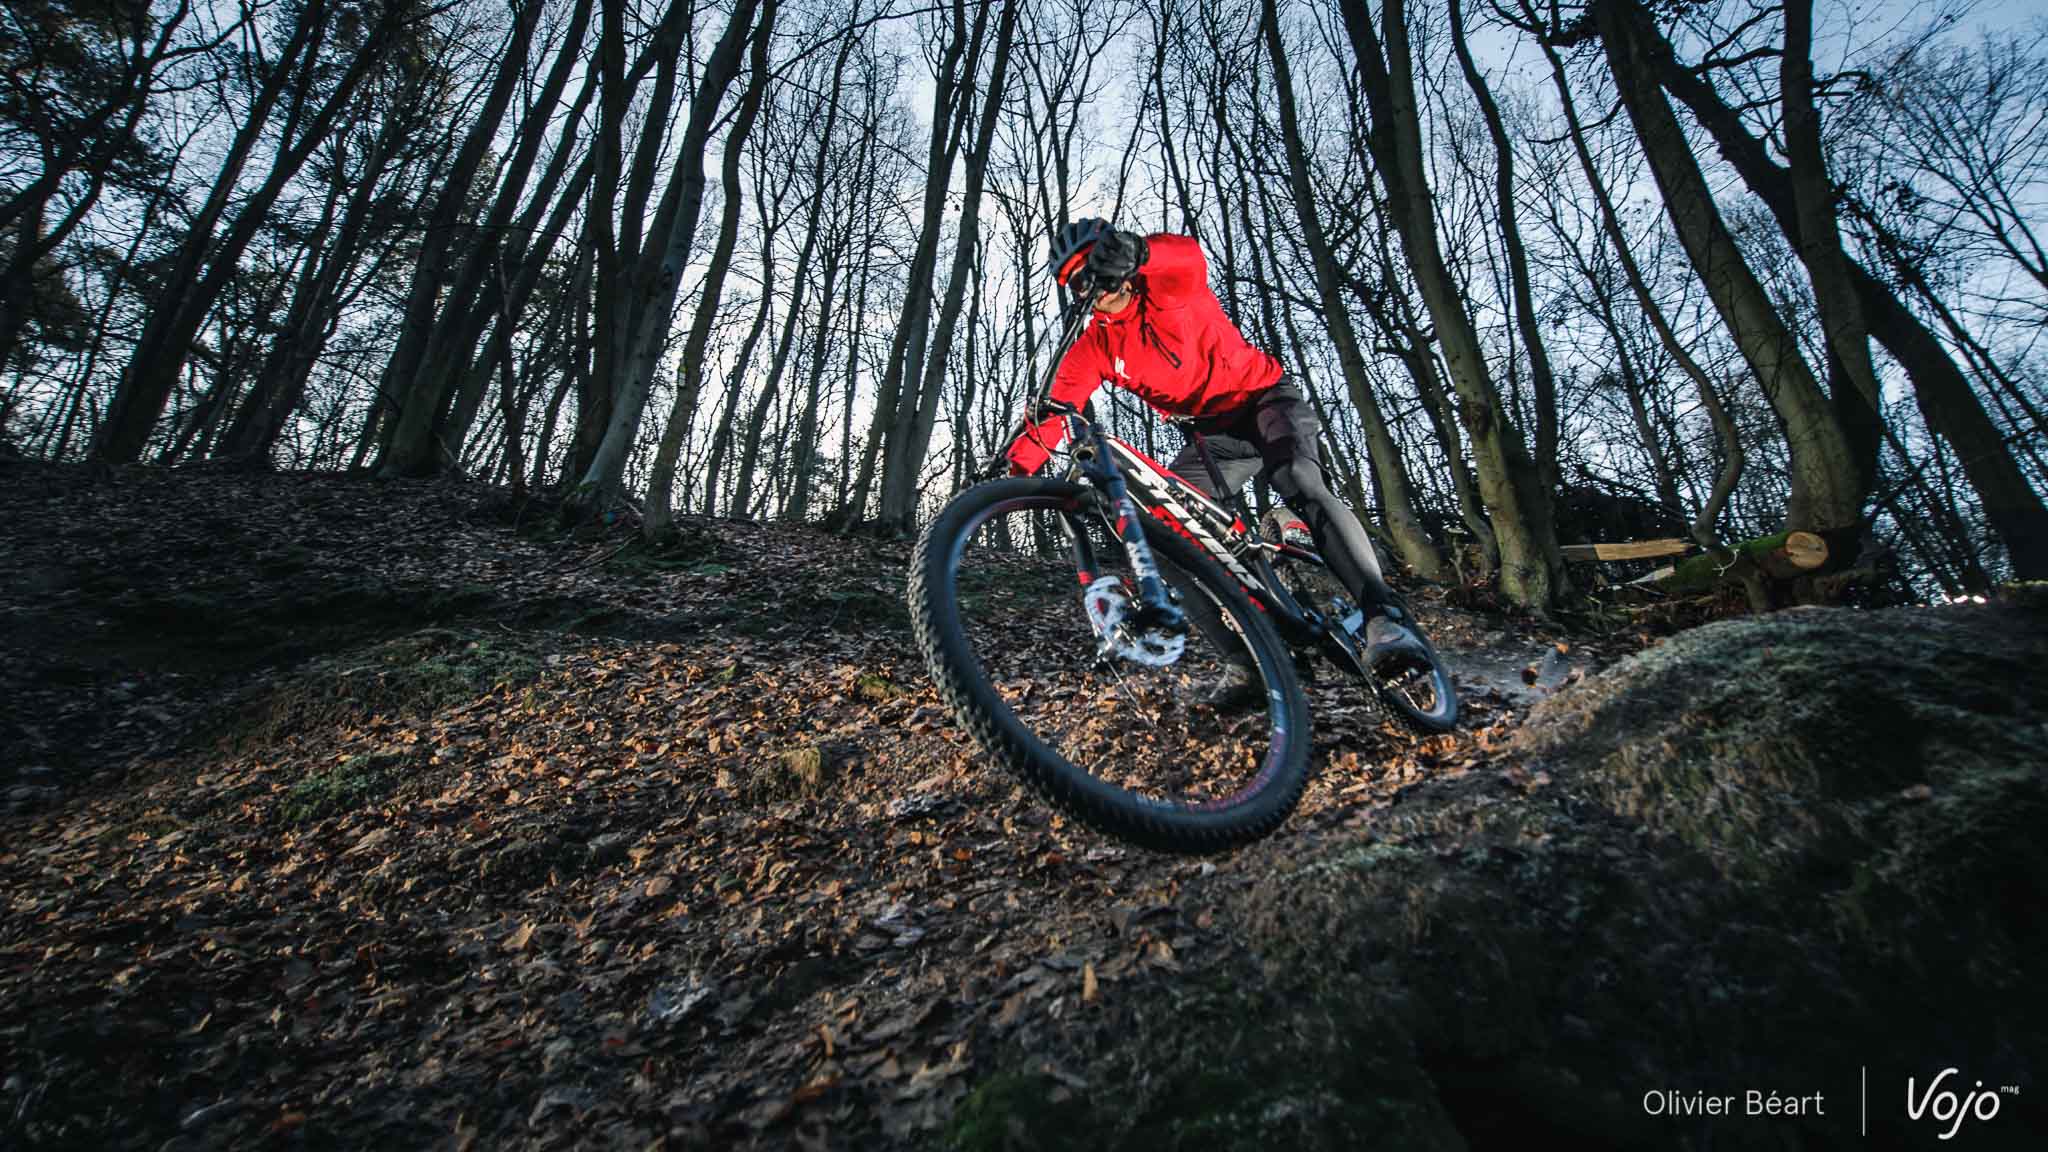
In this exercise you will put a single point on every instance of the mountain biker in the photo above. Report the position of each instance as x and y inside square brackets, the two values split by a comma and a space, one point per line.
[1159, 332]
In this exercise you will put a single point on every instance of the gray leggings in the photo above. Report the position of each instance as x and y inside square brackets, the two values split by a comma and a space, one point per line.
[1276, 435]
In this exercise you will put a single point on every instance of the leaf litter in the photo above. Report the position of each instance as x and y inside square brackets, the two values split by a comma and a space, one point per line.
[592, 899]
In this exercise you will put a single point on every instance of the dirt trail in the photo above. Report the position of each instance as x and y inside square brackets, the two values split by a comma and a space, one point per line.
[348, 815]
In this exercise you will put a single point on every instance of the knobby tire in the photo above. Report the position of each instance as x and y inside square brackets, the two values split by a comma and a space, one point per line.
[936, 622]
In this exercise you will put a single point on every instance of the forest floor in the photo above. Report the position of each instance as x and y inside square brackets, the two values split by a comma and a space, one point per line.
[341, 814]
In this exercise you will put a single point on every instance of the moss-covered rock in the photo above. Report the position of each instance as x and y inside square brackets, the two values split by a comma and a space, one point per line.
[1893, 757]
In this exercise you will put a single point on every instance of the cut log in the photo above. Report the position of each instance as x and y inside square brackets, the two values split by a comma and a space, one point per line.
[1781, 557]
[1804, 551]
[1627, 550]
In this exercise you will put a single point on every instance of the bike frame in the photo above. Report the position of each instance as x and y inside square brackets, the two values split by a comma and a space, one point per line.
[1132, 483]
[1220, 532]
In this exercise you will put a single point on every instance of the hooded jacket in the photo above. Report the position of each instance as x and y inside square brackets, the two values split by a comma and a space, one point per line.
[1172, 347]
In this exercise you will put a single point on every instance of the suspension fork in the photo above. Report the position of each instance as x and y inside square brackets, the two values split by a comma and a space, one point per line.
[1156, 607]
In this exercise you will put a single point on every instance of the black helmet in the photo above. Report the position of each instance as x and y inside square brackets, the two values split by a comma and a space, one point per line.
[1070, 246]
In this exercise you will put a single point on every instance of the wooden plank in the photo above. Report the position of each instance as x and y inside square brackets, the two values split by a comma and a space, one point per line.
[1628, 550]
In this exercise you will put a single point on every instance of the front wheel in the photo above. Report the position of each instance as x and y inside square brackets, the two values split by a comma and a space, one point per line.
[1024, 606]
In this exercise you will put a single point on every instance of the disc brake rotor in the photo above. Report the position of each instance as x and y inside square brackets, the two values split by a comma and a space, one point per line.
[1109, 606]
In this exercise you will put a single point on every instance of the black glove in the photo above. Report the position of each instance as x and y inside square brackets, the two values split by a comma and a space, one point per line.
[1114, 259]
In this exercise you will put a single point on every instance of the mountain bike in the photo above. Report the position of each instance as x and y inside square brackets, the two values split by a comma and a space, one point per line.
[1078, 626]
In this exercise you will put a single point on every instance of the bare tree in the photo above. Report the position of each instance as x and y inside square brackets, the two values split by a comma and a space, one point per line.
[207, 256]
[1397, 505]
[640, 300]
[1532, 568]
[657, 519]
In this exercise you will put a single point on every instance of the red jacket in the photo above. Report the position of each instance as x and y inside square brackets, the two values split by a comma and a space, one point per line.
[1172, 346]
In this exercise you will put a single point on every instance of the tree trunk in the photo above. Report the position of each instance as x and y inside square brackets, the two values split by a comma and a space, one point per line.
[1818, 240]
[853, 504]
[1532, 571]
[453, 362]
[1825, 491]
[899, 484]
[1394, 314]
[735, 387]
[1541, 380]
[409, 448]
[1161, 23]
[742, 497]
[1397, 501]
[798, 506]
[529, 264]
[651, 297]
[657, 517]
[577, 361]
[620, 254]
[897, 400]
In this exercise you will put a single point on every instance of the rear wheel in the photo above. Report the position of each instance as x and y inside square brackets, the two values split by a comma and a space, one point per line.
[1042, 664]
[1416, 689]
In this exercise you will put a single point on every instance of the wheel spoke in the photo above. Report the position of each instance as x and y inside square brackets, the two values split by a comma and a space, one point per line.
[1144, 728]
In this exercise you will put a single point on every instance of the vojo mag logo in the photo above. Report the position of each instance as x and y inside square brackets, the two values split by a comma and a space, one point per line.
[1945, 1100]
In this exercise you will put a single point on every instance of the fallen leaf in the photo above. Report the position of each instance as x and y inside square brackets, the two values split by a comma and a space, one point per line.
[770, 1112]
[368, 842]
[518, 940]
[897, 1025]
[929, 1077]
[817, 1086]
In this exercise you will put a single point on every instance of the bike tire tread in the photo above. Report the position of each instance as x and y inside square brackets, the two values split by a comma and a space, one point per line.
[1128, 820]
